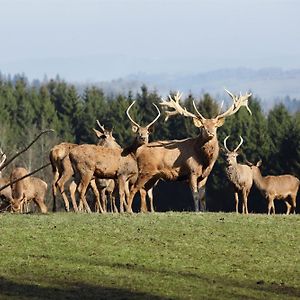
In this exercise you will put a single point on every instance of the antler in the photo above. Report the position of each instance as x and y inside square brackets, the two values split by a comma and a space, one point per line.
[150, 124]
[225, 145]
[239, 145]
[238, 102]
[100, 126]
[236, 149]
[136, 124]
[178, 109]
[128, 115]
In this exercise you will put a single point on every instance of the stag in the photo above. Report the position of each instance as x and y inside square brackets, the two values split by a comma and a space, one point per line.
[142, 138]
[27, 189]
[239, 175]
[191, 159]
[281, 187]
[62, 168]
[109, 163]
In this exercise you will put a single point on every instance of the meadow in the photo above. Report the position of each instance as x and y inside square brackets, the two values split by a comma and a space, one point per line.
[149, 256]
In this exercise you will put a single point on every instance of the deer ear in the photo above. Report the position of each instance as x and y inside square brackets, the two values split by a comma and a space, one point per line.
[220, 122]
[259, 163]
[197, 122]
[134, 128]
[98, 133]
[151, 129]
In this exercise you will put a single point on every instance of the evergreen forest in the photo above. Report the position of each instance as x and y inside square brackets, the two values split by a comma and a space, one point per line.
[27, 108]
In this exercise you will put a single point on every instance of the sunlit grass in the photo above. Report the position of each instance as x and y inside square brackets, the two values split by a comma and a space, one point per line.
[153, 256]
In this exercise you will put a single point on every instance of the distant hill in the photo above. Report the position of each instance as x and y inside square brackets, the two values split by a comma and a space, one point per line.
[271, 85]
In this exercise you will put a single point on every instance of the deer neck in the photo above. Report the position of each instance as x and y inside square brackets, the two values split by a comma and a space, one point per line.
[258, 179]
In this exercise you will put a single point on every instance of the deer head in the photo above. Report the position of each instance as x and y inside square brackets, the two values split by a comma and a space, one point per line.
[105, 137]
[208, 126]
[142, 133]
[232, 155]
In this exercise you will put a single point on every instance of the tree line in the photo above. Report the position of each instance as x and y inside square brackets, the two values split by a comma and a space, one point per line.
[26, 109]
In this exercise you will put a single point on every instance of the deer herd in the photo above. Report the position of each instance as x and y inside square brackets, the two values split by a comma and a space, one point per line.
[111, 171]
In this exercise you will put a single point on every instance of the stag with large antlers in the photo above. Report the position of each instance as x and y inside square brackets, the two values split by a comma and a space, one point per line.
[281, 187]
[191, 159]
[239, 175]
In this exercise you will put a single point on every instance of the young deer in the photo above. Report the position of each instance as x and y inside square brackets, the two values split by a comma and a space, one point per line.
[27, 189]
[191, 159]
[281, 187]
[240, 176]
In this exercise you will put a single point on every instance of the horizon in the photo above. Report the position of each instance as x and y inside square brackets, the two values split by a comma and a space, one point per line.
[92, 41]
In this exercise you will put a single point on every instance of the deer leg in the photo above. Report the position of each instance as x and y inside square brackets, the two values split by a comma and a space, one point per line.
[245, 204]
[61, 185]
[236, 199]
[103, 202]
[41, 204]
[195, 192]
[113, 201]
[142, 179]
[83, 185]
[72, 189]
[150, 195]
[54, 189]
[288, 207]
[201, 191]
[122, 187]
[143, 194]
[97, 195]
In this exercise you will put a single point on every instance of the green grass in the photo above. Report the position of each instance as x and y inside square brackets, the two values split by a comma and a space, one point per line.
[149, 256]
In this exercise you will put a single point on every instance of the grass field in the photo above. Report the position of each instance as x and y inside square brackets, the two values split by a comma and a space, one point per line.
[149, 256]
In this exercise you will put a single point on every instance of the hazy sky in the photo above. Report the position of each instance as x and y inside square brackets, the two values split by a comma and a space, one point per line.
[100, 40]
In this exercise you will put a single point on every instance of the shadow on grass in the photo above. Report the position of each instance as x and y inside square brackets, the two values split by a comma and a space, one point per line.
[77, 291]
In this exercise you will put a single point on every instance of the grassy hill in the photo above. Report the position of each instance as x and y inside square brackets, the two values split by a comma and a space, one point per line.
[149, 256]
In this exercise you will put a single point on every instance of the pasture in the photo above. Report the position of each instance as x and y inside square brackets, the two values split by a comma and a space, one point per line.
[149, 256]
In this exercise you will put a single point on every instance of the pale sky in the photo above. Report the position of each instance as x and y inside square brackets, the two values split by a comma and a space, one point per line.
[101, 40]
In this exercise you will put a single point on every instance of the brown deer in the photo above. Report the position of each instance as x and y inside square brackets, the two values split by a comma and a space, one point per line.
[142, 138]
[110, 163]
[191, 159]
[281, 187]
[62, 168]
[27, 189]
[239, 175]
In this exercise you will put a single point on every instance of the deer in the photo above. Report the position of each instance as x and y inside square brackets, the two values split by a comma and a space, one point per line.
[281, 187]
[190, 159]
[27, 189]
[62, 168]
[240, 176]
[142, 138]
[110, 163]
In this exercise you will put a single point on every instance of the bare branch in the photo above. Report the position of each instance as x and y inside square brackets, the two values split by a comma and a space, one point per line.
[27, 175]
[26, 148]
